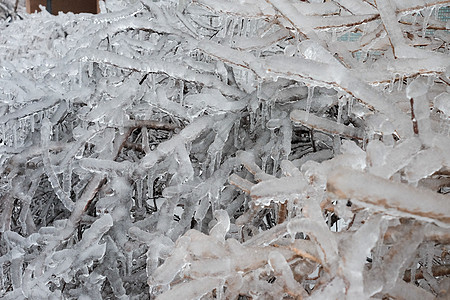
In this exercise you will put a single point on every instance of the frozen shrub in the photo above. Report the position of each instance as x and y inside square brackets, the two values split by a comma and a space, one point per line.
[230, 149]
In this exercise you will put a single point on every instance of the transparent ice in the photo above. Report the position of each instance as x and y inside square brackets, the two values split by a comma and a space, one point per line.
[235, 149]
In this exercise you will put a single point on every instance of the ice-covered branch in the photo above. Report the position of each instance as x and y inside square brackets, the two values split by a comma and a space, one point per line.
[226, 149]
[396, 198]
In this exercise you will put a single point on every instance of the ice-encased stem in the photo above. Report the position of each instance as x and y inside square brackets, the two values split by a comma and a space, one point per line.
[325, 125]
[52, 177]
[283, 269]
[157, 66]
[309, 100]
[395, 198]
[188, 134]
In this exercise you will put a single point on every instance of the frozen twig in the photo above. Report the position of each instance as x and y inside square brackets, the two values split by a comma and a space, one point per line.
[396, 198]
[322, 124]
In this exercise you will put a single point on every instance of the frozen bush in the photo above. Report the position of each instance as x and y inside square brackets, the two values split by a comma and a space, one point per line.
[230, 149]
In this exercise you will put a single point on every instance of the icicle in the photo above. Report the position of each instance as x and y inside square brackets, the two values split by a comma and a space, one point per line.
[429, 257]
[32, 122]
[264, 162]
[413, 272]
[15, 138]
[181, 93]
[230, 29]
[442, 121]
[309, 99]
[286, 130]
[365, 55]
[259, 89]
[139, 189]
[239, 26]
[218, 159]
[212, 163]
[336, 144]
[145, 142]
[90, 68]
[150, 181]
[225, 30]
[333, 35]
[56, 133]
[80, 74]
[3, 130]
[153, 76]
[264, 113]
[391, 84]
[21, 129]
[252, 27]
[129, 262]
[67, 179]
[120, 124]
[220, 293]
[270, 105]
[276, 161]
[204, 169]
[427, 14]
[2, 278]
[244, 27]
[400, 83]
[221, 71]
[252, 121]
[430, 80]
[444, 126]
[350, 105]
[340, 107]
[236, 133]
[414, 21]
